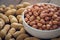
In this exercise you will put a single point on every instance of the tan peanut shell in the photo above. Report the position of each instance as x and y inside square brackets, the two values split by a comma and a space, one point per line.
[10, 33]
[4, 17]
[19, 17]
[13, 19]
[10, 12]
[17, 33]
[2, 23]
[4, 31]
[21, 37]
[26, 4]
[19, 11]
[16, 25]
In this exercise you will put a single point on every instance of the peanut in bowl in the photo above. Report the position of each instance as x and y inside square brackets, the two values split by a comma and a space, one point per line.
[47, 30]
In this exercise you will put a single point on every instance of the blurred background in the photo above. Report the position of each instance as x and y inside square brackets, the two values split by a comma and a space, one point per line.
[15, 2]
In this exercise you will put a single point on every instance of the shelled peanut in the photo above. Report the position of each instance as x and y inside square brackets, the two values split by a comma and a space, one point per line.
[43, 17]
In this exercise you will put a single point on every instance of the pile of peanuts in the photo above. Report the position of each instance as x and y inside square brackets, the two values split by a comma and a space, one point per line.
[43, 17]
[11, 27]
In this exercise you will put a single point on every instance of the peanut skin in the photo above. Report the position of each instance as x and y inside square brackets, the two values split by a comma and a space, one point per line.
[10, 12]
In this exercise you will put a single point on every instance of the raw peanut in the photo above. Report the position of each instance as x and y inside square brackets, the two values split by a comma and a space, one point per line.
[17, 33]
[19, 11]
[35, 26]
[8, 36]
[50, 14]
[31, 38]
[31, 18]
[28, 9]
[16, 25]
[19, 17]
[1, 10]
[47, 11]
[37, 21]
[22, 30]
[38, 18]
[22, 37]
[47, 18]
[32, 23]
[39, 24]
[42, 15]
[56, 13]
[48, 26]
[26, 19]
[12, 39]
[27, 15]
[50, 23]
[44, 27]
[20, 20]
[28, 22]
[55, 22]
[10, 12]
[10, 33]
[4, 17]
[53, 10]
[42, 21]
[57, 19]
[4, 31]
[30, 13]
[54, 16]
[35, 13]
[11, 6]
[25, 4]
[7, 8]
[3, 6]
[13, 19]
[2, 23]
[36, 7]
[55, 26]
[19, 6]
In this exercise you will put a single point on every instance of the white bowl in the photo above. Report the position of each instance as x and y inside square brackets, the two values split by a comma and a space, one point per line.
[45, 34]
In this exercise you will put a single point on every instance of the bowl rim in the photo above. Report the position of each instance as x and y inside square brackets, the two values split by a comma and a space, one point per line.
[35, 28]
